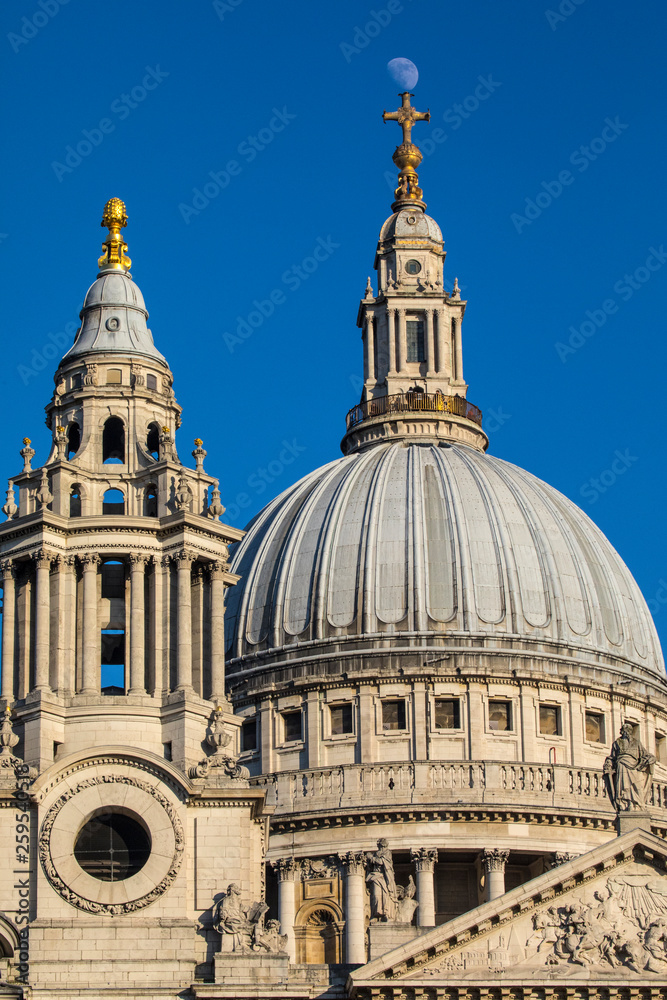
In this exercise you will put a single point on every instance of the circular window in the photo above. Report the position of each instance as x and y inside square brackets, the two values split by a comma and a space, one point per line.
[112, 847]
[413, 267]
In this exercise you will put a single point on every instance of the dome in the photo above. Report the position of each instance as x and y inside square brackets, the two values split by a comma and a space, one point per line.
[114, 319]
[411, 223]
[439, 540]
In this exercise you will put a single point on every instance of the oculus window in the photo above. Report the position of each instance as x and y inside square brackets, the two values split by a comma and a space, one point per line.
[112, 847]
[413, 267]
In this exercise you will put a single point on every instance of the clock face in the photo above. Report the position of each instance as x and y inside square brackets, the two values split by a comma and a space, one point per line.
[413, 267]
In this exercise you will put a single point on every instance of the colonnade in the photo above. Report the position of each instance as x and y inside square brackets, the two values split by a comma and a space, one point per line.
[352, 867]
[443, 351]
[44, 636]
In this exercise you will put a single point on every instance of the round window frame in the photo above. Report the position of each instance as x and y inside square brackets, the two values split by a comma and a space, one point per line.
[115, 811]
[407, 267]
[75, 807]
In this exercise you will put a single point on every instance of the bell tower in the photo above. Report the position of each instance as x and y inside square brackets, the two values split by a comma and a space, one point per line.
[114, 558]
[411, 329]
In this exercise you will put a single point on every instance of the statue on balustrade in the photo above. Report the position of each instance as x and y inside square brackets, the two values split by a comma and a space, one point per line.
[629, 769]
[245, 924]
[381, 883]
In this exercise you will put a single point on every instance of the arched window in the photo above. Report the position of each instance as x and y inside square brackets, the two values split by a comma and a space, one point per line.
[75, 500]
[318, 935]
[113, 441]
[150, 501]
[113, 502]
[73, 439]
[153, 440]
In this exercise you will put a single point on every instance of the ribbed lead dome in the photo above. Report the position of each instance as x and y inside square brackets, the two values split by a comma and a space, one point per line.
[433, 539]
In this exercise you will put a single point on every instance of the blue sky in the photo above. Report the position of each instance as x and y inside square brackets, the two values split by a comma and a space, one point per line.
[549, 190]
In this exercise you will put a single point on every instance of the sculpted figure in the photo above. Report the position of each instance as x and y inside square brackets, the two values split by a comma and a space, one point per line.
[406, 904]
[629, 768]
[381, 883]
[245, 924]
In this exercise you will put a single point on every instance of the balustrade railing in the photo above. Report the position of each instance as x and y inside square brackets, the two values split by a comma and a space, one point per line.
[413, 402]
[443, 782]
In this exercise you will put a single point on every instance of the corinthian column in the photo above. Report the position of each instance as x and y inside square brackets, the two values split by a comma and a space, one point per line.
[424, 860]
[493, 862]
[402, 341]
[91, 633]
[8, 620]
[137, 618]
[287, 871]
[353, 864]
[217, 631]
[42, 619]
[391, 337]
[184, 561]
[444, 363]
[370, 341]
[430, 343]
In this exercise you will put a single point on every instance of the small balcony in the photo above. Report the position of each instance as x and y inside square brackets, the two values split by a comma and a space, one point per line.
[413, 402]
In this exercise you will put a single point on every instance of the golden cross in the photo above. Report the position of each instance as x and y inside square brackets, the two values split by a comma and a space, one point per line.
[406, 116]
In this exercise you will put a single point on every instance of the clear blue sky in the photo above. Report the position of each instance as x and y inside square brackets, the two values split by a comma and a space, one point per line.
[309, 83]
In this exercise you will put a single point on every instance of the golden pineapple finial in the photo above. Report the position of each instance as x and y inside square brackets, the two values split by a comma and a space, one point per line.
[115, 219]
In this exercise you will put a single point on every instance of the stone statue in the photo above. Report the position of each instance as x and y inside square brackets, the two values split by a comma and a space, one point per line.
[244, 924]
[406, 904]
[629, 768]
[381, 883]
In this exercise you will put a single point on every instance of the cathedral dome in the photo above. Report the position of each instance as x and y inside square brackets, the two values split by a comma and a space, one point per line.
[442, 541]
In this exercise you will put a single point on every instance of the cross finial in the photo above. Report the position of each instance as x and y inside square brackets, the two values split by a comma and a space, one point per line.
[406, 116]
[407, 156]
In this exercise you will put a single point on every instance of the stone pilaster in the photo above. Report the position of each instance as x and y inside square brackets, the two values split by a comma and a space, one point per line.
[391, 337]
[184, 560]
[42, 561]
[217, 570]
[429, 336]
[287, 872]
[353, 865]
[402, 341]
[424, 861]
[493, 862]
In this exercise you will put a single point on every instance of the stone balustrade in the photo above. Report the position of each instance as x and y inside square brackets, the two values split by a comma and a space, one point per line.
[447, 784]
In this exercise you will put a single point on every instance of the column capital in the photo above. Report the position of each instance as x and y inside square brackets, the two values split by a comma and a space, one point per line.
[89, 560]
[286, 869]
[8, 569]
[42, 558]
[353, 862]
[494, 859]
[561, 858]
[184, 558]
[139, 559]
[424, 858]
[217, 569]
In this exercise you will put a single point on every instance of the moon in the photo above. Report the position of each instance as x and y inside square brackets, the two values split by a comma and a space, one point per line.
[403, 72]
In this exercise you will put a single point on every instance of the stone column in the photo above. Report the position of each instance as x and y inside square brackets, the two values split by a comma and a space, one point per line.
[370, 346]
[444, 361]
[287, 871]
[353, 864]
[91, 633]
[424, 860]
[217, 631]
[184, 561]
[391, 338]
[430, 343]
[138, 564]
[493, 862]
[42, 619]
[8, 625]
[458, 349]
[402, 341]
